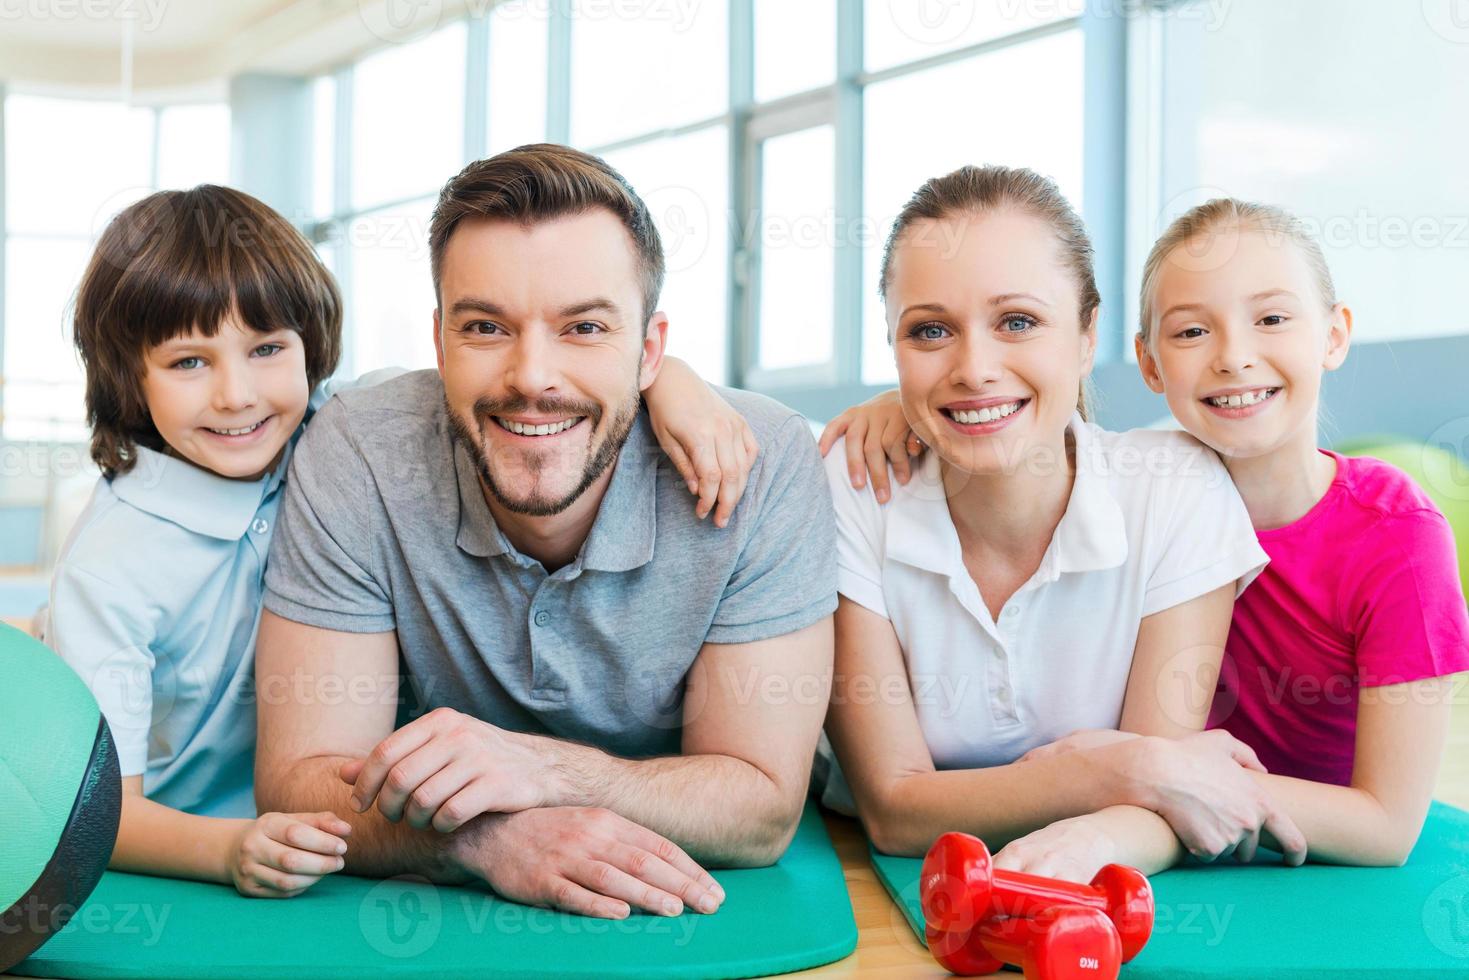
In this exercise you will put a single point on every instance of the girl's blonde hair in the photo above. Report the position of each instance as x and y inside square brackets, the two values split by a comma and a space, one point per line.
[1227, 214]
[977, 190]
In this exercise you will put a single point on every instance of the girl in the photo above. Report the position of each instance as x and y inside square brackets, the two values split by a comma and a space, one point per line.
[207, 325]
[1038, 574]
[1338, 655]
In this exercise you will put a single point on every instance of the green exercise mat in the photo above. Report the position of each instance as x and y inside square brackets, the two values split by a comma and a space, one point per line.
[793, 915]
[1268, 922]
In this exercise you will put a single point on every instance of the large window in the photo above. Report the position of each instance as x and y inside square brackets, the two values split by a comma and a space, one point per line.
[772, 146]
[70, 165]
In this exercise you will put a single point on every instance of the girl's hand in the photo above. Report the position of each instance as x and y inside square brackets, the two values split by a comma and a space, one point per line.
[280, 855]
[877, 434]
[711, 445]
[1077, 741]
[1072, 850]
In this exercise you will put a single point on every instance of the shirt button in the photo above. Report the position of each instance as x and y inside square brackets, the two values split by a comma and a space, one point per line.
[260, 525]
[1010, 612]
[542, 618]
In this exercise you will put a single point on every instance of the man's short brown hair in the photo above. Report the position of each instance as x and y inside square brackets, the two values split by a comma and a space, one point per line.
[179, 261]
[538, 182]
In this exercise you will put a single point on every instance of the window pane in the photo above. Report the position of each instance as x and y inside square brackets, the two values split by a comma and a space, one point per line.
[43, 379]
[1371, 162]
[911, 135]
[517, 100]
[323, 146]
[898, 31]
[193, 146]
[53, 183]
[684, 182]
[636, 74]
[797, 216]
[392, 291]
[408, 118]
[795, 46]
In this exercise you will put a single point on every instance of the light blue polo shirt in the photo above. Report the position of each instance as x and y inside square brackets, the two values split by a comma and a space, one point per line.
[155, 602]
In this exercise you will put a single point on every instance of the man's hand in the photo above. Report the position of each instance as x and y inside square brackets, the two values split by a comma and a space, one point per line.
[1202, 785]
[583, 860]
[446, 768]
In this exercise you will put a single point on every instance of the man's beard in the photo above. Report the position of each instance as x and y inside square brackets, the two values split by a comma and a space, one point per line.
[600, 456]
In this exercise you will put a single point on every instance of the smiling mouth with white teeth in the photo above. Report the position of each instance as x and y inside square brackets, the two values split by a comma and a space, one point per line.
[1243, 399]
[240, 432]
[547, 429]
[990, 413]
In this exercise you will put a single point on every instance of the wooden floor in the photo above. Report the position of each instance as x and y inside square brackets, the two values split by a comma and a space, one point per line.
[886, 947]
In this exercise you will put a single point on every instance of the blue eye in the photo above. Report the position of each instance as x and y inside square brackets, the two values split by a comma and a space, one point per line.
[188, 363]
[269, 349]
[928, 332]
[1009, 324]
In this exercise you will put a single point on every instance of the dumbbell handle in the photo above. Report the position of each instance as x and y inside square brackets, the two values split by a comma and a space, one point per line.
[1015, 893]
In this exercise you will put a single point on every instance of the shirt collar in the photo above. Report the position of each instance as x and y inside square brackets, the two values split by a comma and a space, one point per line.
[625, 529]
[1091, 535]
[193, 497]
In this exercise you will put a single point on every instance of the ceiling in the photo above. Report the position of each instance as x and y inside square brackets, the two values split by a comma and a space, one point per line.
[182, 44]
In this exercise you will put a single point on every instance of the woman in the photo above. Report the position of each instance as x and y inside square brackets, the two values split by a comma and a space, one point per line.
[1038, 576]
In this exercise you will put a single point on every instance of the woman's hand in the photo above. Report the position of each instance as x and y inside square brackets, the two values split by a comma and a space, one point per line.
[1072, 850]
[280, 855]
[710, 444]
[877, 434]
[1202, 785]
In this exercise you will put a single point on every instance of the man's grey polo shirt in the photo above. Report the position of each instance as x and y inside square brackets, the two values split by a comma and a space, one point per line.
[384, 527]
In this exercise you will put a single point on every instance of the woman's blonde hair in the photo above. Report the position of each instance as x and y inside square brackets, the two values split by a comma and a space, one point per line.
[1227, 214]
[977, 190]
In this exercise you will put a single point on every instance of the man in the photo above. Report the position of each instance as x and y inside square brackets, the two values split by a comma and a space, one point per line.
[617, 688]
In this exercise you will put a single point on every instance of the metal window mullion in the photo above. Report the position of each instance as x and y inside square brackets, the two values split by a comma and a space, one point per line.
[558, 71]
[342, 209]
[849, 162]
[1104, 168]
[157, 142]
[743, 191]
[476, 87]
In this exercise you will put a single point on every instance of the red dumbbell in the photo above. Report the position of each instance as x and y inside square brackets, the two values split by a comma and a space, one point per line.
[1064, 942]
[960, 888]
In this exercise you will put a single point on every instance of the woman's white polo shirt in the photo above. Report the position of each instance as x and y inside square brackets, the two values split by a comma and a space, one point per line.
[1153, 521]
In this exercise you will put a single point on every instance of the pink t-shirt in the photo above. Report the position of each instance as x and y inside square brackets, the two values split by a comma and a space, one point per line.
[1363, 591]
